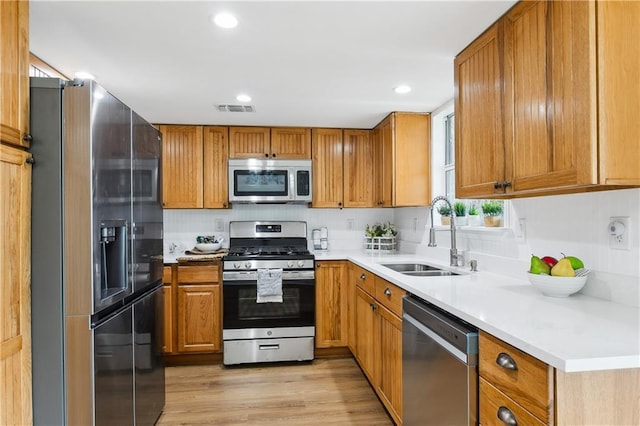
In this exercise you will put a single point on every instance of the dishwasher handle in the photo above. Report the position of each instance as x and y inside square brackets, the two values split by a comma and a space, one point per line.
[436, 338]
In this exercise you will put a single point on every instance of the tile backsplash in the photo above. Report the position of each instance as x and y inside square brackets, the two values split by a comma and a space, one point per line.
[574, 224]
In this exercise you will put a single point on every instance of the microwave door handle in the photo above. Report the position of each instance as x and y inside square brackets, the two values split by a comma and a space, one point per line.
[292, 184]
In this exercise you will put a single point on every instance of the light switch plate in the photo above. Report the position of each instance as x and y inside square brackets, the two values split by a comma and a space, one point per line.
[219, 224]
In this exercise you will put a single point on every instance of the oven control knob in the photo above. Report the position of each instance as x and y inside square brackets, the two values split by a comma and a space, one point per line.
[290, 264]
[300, 263]
[247, 265]
[236, 265]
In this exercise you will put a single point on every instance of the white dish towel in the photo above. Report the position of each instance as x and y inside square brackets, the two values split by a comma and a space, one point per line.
[269, 285]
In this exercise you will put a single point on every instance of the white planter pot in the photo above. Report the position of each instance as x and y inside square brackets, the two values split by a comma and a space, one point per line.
[462, 220]
[475, 220]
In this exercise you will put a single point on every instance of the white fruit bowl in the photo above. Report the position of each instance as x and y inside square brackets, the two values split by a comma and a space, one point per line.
[559, 286]
[208, 246]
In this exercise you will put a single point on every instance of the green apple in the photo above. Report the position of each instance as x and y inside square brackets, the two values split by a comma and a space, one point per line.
[575, 262]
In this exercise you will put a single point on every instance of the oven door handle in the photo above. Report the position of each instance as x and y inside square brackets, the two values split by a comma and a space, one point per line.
[297, 282]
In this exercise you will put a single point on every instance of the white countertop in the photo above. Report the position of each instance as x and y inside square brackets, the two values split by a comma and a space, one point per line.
[574, 334]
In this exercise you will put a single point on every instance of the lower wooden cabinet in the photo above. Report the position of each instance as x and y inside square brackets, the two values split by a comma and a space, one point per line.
[378, 340]
[331, 304]
[193, 309]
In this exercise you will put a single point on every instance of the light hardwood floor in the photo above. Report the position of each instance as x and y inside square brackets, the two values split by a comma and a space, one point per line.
[324, 392]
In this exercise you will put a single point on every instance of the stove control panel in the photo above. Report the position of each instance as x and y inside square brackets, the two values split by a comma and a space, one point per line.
[246, 265]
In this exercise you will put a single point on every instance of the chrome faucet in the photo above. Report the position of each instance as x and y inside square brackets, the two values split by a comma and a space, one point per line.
[455, 258]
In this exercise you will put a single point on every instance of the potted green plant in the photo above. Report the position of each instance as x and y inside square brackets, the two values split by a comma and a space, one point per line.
[474, 216]
[445, 214]
[492, 211]
[460, 210]
[380, 236]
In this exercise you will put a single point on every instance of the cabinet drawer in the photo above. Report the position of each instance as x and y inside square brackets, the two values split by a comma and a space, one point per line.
[166, 275]
[389, 295]
[198, 274]
[493, 402]
[364, 279]
[529, 383]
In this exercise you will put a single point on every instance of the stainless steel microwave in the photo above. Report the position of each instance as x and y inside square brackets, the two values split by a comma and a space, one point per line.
[269, 181]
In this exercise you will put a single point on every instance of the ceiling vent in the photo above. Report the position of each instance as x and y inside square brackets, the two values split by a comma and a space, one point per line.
[236, 108]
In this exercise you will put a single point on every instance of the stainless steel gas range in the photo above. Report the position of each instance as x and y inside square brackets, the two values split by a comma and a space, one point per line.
[268, 284]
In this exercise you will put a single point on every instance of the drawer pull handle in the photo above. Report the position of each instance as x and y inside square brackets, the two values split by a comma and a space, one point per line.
[506, 362]
[387, 292]
[269, 347]
[363, 276]
[507, 417]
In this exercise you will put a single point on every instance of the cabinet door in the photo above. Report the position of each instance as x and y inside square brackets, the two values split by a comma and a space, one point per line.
[358, 168]
[249, 142]
[479, 141]
[389, 384]
[15, 300]
[326, 147]
[619, 92]
[215, 171]
[383, 160]
[182, 167]
[411, 159]
[169, 320]
[366, 342]
[14, 72]
[291, 143]
[550, 95]
[331, 304]
[199, 318]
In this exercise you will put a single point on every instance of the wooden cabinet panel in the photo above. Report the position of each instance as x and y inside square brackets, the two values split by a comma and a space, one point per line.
[326, 147]
[366, 341]
[530, 385]
[618, 53]
[182, 167]
[249, 142]
[331, 304]
[549, 82]
[291, 142]
[15, 299]
[198, 274]
[199, 318]
[389, 383]
[479, 124]
[215, 170]
[14, 72]
[358, 168]
[168, 319]
[492, 401]
[402, 158]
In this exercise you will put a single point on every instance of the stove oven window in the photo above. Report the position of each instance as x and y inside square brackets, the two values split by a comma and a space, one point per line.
[248, 309]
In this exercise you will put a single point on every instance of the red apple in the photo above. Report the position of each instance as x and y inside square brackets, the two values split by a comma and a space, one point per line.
[549, 261]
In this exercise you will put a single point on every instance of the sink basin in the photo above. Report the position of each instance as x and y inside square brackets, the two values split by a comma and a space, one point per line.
[418, 269]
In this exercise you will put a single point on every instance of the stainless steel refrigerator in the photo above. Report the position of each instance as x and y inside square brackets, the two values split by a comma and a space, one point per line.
[96, 258]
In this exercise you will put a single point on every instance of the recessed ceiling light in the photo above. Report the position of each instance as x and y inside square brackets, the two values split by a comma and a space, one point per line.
[402, 89]
[243, 98]
[225, 20]
[83, 75]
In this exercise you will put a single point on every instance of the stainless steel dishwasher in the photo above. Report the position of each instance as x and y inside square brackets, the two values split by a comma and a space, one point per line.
[439, 366]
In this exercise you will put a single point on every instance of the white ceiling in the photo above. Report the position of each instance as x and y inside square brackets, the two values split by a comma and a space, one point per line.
[320, 64]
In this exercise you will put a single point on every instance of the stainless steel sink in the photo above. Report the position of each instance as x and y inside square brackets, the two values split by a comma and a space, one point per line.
[418, 269]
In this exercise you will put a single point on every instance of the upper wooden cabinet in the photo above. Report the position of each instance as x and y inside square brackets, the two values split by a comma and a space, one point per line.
[342, 162]
[402, 160]
[265, 142]
[291, 143]
[543, 101]
[14, 72]
[194, 166]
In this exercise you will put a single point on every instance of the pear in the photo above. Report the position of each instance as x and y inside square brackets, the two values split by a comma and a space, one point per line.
[538, 266]
[563, 269]
[575, 262]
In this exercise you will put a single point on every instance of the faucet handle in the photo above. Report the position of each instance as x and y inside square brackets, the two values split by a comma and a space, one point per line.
[474, 265]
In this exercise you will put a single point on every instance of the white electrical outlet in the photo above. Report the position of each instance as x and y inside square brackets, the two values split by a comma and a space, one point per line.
[619, 233]
[521, 232]
[415, 224]
[349, 224]
[219, 224]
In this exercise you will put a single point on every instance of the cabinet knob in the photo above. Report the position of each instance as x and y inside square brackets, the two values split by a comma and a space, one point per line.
[273, 155]
[363, 276]
[505, 361]
[506, 416]
[317, 265]
[387, 291]
[266, 155]
[506, 184]
[497, 185]
[30, 160]
[373, 306]
[27, 137]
